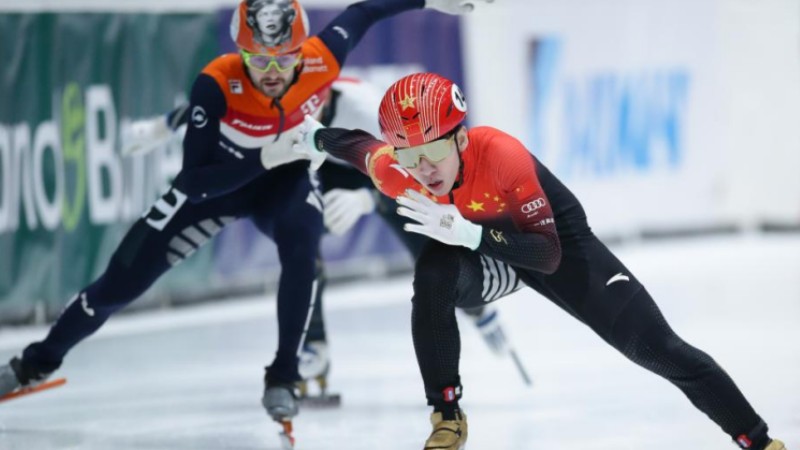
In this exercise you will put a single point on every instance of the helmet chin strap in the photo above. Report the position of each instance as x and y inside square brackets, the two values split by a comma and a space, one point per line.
[460, 177]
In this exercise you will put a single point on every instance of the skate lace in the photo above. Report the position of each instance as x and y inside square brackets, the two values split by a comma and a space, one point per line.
[451, 426]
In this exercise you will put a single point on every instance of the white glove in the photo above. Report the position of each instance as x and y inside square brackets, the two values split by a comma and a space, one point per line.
[454, 6]
[303, 142]
[343, 208]
[143, 136]
[441, 222]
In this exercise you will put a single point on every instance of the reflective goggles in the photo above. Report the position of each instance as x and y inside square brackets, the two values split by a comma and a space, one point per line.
[262, 63]
[433, 151]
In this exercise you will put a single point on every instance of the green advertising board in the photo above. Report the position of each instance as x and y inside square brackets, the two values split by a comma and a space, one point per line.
[69, 84]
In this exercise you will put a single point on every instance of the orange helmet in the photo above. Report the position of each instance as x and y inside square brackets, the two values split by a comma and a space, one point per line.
[269, 27]
[420, 108]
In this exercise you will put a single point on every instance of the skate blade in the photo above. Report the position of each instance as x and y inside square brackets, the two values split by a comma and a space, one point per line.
[32, 390]
[286, 436]
[320, 401]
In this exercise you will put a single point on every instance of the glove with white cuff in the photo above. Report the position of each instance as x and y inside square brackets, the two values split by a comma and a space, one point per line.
[343, 208]
[441, 222]
[303, 142]
[145, 135]
[454, 6]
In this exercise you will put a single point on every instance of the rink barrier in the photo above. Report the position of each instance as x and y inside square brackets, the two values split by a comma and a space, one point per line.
[707, 160]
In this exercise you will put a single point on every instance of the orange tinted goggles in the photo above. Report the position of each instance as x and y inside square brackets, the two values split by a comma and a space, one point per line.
[433, 151]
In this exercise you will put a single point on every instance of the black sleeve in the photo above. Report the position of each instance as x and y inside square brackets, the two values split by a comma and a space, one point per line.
[347, 29]
[351, 146]
[534, 251]
[203, 176]
[533, 243]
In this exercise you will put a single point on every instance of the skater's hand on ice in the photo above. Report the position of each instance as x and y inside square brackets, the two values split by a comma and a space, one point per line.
[454, 6]
[441, 222]
[303, 142]
[343, 208]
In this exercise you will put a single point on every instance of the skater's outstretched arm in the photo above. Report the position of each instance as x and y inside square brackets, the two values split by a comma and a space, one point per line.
[534, 246]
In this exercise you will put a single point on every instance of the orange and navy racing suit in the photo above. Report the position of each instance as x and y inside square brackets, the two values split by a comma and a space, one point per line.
[237, 162]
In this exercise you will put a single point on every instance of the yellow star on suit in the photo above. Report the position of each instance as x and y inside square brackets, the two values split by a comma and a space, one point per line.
[475, 206]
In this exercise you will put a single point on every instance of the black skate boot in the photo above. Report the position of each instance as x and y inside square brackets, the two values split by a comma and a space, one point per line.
[16, 378]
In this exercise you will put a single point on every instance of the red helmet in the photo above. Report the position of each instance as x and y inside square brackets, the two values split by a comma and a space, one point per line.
[269, 27]
[420, 108]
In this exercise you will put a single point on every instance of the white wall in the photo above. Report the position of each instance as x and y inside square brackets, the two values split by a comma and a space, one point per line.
[740, 119]
[759, 74]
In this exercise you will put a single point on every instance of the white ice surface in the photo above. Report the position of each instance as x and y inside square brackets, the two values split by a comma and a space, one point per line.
[191, 378]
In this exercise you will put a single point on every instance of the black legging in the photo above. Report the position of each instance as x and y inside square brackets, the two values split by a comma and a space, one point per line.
[622, 313]
[172, 230]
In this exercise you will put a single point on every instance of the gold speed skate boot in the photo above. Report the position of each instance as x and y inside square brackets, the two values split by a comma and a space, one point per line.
[775, 445]
[447, 434]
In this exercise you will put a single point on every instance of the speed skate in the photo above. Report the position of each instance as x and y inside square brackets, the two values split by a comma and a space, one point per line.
[58, 382]
[314, 367]
[320, 399]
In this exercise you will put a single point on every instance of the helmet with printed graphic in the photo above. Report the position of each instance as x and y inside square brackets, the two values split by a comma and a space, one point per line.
[269, 27]
[420, 108]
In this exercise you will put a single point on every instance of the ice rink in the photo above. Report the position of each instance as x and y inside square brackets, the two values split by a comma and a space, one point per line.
[190, 379]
